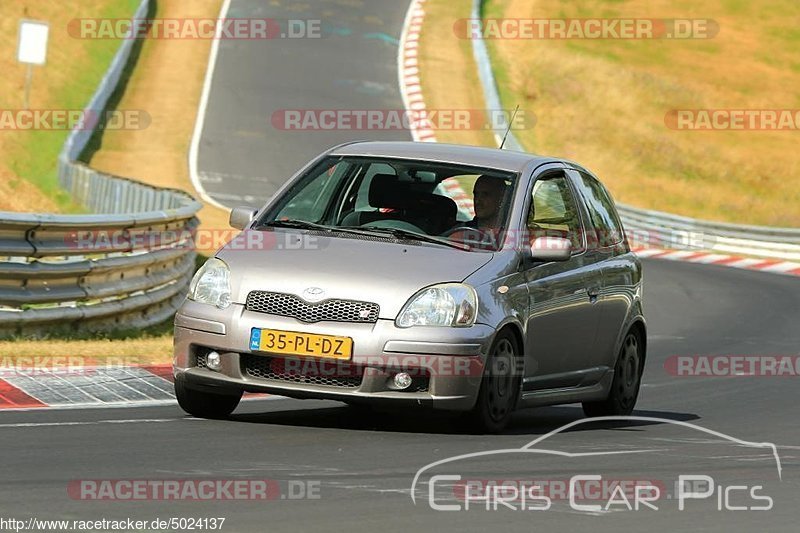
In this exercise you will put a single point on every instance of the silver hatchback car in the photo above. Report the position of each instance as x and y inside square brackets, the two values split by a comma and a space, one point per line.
[466, 279]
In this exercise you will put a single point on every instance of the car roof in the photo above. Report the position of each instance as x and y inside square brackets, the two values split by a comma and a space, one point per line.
[446, 153]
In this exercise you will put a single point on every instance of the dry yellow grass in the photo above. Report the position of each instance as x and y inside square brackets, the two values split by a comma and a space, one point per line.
[157, 349]
[603, 102]
[447, 71]
[167, 84]
[16, 194]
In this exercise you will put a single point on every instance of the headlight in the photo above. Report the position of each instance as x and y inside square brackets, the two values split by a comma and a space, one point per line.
[212, 284]
[448, 304]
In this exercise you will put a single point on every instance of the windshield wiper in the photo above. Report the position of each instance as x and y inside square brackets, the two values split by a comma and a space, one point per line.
[413, 235]
[358, 230]
[300, 224]
[304, 224]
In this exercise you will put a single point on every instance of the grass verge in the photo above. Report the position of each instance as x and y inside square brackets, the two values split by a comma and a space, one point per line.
[166, 83]
[28, 178]
[448, 73]
[603, 102]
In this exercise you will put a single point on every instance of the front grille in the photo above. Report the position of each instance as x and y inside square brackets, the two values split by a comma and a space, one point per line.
[307, 371]
[289, 305]
[201, 361]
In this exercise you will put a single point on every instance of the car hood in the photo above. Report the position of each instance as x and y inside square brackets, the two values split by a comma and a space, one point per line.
[385, 273]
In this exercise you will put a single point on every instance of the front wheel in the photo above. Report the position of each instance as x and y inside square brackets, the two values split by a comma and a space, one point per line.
[497, 397]
[204, 404]
[625, 387]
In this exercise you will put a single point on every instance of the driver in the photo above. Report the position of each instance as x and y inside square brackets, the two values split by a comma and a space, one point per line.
[488, 194]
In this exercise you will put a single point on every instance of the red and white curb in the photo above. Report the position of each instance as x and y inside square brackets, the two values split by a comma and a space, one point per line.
[462, 199]
[408, 70]
[773, 266]
[88, 387]
[413, 99]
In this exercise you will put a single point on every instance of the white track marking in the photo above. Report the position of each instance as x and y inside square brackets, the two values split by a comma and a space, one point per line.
[199, 124]
[89, 423]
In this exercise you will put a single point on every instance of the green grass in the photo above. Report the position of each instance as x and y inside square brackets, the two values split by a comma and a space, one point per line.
[35, 158]
[736, 7]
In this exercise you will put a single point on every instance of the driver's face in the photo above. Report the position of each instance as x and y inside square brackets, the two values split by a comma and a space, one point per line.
[487, 196]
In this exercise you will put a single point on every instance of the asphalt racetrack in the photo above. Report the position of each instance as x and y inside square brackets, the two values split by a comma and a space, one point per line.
[359, 467]
[244, 155]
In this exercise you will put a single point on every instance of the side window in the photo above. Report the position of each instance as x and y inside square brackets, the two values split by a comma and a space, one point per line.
[554, 213]
[608, 229]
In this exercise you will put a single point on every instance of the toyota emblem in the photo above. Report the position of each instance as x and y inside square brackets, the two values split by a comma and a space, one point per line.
[313, 294]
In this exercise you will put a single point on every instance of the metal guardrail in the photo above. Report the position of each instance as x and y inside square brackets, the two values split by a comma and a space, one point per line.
[655, 228]
[79, 138]
[126, 267]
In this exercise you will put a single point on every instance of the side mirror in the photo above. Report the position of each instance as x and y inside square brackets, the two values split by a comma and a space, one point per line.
[551, 249]
[241, 217]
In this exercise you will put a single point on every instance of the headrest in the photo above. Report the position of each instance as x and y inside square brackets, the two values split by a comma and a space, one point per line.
[436, 204]
[386, 190]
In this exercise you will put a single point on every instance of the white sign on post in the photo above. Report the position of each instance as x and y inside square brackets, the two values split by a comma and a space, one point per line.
[32, 45]
[32, 49]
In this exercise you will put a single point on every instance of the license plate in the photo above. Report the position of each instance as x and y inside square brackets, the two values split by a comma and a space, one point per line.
[302, 344]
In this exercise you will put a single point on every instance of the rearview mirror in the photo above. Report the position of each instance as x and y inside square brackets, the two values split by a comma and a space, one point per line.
[241, 217]
[551, 249]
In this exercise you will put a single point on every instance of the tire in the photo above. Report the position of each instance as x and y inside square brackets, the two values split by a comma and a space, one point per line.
[499, 390]
[204, 404]
[627, 380]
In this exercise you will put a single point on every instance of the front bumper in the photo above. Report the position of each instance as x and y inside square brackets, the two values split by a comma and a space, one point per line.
[446, 363]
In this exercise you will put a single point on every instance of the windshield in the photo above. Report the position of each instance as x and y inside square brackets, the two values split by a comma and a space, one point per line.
[401, 198]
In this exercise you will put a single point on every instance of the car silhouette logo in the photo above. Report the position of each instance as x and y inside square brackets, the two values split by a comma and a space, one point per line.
[313, 294]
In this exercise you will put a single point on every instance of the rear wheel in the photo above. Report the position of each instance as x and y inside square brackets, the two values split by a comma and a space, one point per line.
[499, 387]
[204, 404]
[627, 379]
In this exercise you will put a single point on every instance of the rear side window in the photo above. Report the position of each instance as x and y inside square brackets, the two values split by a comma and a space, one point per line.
[554, 213]
[607, 226]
